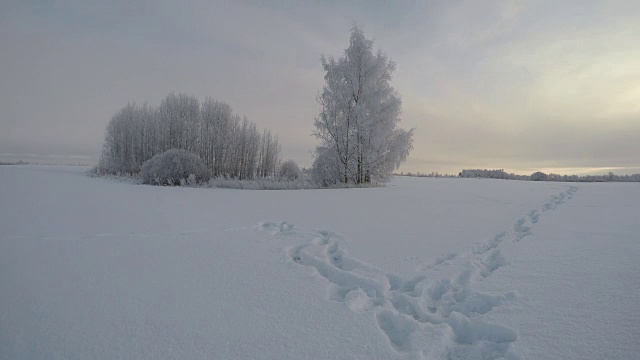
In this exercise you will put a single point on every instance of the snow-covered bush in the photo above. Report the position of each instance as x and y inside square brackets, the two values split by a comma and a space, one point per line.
[289, 170]
[538, 176]
[174, 167]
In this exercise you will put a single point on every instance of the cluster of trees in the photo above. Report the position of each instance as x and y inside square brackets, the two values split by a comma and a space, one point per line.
[228, 145]
[540, 176]
[491, 174]
[360, 142]
[357, 125]
[433, 174]
[14, 163]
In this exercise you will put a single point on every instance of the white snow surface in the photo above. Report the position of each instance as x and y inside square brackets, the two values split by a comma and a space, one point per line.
[424, 268]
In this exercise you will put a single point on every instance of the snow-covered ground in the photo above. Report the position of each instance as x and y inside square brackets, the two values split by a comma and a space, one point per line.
[424, 268]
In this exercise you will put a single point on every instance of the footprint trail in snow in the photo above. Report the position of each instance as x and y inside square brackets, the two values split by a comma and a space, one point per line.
[429, 315]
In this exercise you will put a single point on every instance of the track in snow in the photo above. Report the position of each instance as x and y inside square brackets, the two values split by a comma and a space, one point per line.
[427, 315]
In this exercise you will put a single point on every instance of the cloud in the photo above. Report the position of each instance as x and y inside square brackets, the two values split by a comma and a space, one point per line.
[511, 84]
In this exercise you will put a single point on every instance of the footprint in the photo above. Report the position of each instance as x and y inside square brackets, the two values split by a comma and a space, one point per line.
[275, 228]
[358, 301]
[294, 253]
[321, 241]
[398, 328]
[478, 339]
[521, 229]
[490, 245]
[534, 216]
[492, 263]
[437, 291]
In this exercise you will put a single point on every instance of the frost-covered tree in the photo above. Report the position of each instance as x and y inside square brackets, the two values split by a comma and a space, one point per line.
[359, 114]
[129, 140]
[289, 170]
[268, 155]
[326, 171]
[180, 116]
[217, 129]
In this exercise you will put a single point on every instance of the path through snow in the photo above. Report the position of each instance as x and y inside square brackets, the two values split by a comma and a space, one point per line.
[433, 314]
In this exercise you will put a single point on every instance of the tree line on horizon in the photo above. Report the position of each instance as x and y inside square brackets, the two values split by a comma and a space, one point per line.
[537, 176]
[540, 176]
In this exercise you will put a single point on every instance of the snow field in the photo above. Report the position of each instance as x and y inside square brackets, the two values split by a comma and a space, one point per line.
[421, 269]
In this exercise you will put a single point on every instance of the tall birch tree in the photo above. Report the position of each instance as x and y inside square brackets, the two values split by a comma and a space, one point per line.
[359, 115]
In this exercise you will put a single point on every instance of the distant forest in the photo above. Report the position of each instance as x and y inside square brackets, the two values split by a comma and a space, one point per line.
[537, 176]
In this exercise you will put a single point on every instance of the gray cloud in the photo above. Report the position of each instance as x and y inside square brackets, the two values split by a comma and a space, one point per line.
[510, 84]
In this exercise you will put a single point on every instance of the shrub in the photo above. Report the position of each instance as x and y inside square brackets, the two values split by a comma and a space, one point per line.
[174, 167]
[289, 170]
[538, 176]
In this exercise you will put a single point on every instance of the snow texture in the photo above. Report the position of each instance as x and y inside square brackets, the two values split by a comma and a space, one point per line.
[433, 269]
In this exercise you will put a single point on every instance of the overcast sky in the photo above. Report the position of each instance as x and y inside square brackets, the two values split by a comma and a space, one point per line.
[519, 85]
